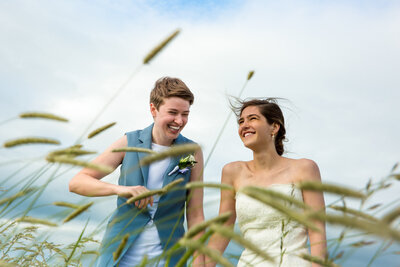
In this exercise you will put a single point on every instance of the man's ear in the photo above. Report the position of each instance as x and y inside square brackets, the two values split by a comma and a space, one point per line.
[153, 110]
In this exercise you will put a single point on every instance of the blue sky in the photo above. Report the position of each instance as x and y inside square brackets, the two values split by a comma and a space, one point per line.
[336, 62]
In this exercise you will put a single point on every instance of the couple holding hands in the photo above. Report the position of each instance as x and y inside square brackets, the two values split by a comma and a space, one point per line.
[154, 224]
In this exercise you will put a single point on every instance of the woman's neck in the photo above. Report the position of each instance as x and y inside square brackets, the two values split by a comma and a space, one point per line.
[265, 159]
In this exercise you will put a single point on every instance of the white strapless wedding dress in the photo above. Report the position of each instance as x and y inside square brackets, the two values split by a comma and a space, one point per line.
[271, 231]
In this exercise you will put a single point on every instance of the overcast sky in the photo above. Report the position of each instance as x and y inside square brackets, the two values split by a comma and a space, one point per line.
[336, 63]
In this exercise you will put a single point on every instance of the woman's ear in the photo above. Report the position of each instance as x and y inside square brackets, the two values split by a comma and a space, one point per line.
[153, 110]
[276, 128]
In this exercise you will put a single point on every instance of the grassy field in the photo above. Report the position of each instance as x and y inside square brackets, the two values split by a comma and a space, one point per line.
[34, 231]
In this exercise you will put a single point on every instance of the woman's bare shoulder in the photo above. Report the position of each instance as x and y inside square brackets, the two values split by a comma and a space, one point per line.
[306, 170]
[232, 170]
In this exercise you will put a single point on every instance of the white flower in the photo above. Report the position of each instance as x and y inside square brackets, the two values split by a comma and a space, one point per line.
[184, 164]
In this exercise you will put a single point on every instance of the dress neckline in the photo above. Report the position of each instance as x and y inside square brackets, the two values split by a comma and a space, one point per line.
[271, 185]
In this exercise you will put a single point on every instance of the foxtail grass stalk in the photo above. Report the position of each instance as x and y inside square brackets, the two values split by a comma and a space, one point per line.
[121, 247]
[226, 232]
[249, 76]
[70, 152]
[8, 264]
[354, 212]
[214, 255]
[174, 151]
[100, 129]
[379, 228]
[27, 219]
[159, 47]
[161, 191]
[67, 261]
[134, 149]
[330, 188]
[321, 262]
[276, 204]
[66, 204]
[396, 176]
[146, 60]
[144, 261]
[362, 243]
[30, 140]
[189, 252]
[391, 216]
[15, 196]
[77, 212]
[95, 252]
[193, 185]
[203, 225]
[71, 161]
[42, 115]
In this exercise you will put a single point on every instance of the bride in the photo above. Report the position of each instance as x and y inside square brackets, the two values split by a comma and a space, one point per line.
[261, 129]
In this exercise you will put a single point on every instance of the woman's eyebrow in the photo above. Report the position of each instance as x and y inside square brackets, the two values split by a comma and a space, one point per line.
[252, 115]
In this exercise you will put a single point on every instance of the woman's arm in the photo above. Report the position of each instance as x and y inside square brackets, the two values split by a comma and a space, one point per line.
[87, 182]
[227, 204]
[314, 199]
[194, 207]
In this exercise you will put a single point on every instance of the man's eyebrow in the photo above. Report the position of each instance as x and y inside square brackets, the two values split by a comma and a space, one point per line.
[174, 109]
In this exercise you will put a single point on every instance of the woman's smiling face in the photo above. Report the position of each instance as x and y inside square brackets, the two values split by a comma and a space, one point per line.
[253, 127]
[169, 120]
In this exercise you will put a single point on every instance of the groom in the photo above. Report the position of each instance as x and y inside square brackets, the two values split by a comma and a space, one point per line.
[152, 225]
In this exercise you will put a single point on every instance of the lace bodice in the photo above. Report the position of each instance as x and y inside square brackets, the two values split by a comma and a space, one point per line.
[275, 233]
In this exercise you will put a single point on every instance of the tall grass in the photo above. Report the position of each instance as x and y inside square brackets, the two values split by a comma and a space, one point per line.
[24, 238]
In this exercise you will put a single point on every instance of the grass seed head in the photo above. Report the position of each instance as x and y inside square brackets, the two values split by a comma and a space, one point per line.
[78, 211]
[134, 149]
[213, 254]
[71, 152]
[42, 115]
[321, 262]
[30, 140]
[354, 212]
[159, 47]
[121, 246]
[229, 233]
[32, 220]
[101, 129]
[251, 73]
[330, 188]
[66, 204]
[174, 151]
[68, 160]
[391, 216]
[203, 225]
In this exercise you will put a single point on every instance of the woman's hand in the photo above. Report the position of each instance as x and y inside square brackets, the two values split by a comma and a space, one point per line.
[134, 191]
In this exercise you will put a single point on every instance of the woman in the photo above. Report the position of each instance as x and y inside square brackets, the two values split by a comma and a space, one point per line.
[153, 224]
[262, 129]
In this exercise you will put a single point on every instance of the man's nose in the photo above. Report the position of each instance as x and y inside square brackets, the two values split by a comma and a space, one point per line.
[178, 119]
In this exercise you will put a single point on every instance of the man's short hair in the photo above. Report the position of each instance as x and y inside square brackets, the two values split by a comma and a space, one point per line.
[167, 87]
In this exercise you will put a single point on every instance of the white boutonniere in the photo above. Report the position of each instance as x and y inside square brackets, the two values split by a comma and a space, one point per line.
[184, 164]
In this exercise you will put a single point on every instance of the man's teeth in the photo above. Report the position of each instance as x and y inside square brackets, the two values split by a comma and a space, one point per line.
[247, 134]
[176, 128]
